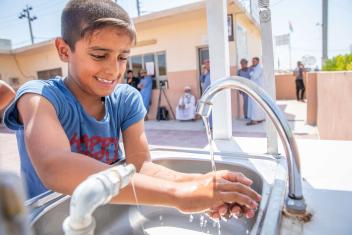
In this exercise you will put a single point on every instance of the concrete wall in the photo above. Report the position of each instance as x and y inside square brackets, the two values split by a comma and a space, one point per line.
[334, 101]
[286, 86]
[312, 98]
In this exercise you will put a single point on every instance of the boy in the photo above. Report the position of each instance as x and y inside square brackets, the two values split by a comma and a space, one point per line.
[68, 128]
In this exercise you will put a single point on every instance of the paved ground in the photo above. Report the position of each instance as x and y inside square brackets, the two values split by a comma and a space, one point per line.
[180, 134]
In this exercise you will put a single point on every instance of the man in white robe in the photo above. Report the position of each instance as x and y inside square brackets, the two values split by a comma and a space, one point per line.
[255, 112]
[186, 108]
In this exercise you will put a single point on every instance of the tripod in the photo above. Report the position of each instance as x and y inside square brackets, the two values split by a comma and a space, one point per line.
[162, 91]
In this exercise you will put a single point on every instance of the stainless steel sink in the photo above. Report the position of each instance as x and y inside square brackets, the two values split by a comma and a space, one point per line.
[47, 218]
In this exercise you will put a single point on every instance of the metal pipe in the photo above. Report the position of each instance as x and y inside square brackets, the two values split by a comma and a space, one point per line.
[295, 202]
[95, 191]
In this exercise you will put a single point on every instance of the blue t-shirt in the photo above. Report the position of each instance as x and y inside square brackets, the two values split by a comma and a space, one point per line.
[96, 139]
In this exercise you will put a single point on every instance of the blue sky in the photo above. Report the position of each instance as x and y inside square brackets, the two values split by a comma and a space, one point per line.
[304, 15]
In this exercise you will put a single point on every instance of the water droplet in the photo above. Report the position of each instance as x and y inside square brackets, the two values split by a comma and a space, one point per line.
[191, 218]
[219, 228]
[201, 221]
[160, 217]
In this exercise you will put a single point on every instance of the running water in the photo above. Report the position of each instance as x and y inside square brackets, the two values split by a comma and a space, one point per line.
[137, 203]
[210, 141]
[212, 160]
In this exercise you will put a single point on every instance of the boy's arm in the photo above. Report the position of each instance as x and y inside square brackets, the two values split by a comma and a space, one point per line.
[49, 149]
[6, 94]
[62, 170]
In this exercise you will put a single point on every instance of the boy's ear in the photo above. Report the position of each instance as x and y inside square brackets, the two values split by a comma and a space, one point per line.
[63, 49]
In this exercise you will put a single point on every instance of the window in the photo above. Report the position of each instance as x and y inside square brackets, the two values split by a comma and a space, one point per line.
[161, 64]
[242, 45]
[47, 74]
[155, 62]
[135, 64]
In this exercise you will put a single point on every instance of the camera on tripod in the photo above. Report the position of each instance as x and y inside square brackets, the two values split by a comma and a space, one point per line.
[163, 84]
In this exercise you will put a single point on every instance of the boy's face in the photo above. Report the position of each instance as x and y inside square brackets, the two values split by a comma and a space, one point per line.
[99, 61]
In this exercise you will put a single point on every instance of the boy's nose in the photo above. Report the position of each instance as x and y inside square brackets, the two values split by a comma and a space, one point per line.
[112, 68]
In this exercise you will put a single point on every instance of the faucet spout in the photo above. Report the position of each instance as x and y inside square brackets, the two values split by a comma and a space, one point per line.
[295, 202]
[96, 190]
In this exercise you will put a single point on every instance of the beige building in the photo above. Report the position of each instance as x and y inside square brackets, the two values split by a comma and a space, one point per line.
[175, 41]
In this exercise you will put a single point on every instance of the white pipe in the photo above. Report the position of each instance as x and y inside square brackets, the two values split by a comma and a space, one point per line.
[95, 191]
[268, 68]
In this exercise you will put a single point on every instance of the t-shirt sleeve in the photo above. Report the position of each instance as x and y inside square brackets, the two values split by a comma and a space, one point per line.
[43, 88]
[134, 110]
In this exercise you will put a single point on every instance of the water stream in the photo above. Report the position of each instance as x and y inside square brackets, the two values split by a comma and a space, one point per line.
[210, 142]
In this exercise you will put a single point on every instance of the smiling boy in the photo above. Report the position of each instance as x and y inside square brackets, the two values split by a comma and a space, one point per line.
[69, 128]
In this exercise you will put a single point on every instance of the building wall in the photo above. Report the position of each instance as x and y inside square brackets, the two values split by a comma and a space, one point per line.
[334, 95]
[25, 65]
[39, 59]
[181, 36]
[8, 68]
[312, 106]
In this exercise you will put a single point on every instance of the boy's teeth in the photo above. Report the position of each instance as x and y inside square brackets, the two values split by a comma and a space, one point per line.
[103, 80]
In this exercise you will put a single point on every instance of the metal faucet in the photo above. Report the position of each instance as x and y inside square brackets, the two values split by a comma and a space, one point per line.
[96, 190]
[294, 203]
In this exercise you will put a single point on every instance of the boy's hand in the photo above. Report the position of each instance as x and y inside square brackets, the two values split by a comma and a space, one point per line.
[227, 210]
[213, 190]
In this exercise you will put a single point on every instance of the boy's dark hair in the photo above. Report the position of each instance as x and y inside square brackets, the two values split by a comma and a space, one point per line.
[129, 71]
[256, 58]
[80, 18]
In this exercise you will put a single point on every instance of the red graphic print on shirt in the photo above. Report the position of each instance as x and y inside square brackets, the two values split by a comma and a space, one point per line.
[104, 149]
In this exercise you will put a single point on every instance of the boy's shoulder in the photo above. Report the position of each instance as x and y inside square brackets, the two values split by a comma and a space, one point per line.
[39, 85]
[124, 91]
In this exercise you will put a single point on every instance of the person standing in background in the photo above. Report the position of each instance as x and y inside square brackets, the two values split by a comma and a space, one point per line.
[131, 80]
[257, 76]
[145, 85]
[205, 75]
[205, 83]
[244, 72]
[300, 88]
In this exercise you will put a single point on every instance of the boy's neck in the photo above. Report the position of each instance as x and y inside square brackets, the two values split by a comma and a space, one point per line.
[91, 104]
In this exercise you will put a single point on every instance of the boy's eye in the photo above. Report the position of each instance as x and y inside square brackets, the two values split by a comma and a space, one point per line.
[122, 58]
[99, 57]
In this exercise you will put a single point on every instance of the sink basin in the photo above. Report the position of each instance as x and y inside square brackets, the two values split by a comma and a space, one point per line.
[47, 218]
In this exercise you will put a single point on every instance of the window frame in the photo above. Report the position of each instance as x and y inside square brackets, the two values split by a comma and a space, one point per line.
[157, 77]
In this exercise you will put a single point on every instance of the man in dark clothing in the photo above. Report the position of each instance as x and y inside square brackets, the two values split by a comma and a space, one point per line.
[300, 89]
[132, 81]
